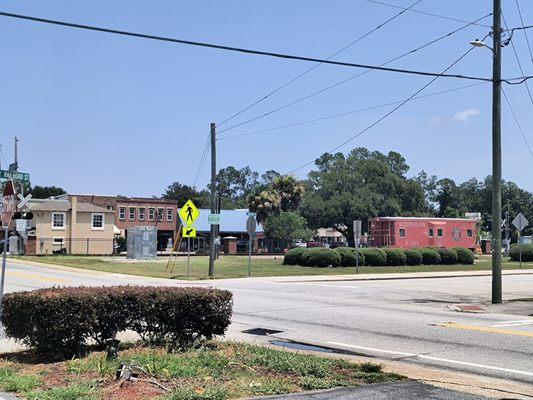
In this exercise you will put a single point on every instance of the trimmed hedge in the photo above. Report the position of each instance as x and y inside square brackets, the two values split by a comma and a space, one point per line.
[348, 256]
[527, 252]
[321, 257]
[464, 255]
[60, 320]
[413, 257]
[294, 256]
[430, 256]
[395, 257]
[374, 257]
[447, 256]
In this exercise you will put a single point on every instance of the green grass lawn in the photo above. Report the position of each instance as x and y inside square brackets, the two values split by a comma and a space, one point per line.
[217, 371]
[237, 267]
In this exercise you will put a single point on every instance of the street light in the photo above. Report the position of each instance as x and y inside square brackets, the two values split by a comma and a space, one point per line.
[480, 43]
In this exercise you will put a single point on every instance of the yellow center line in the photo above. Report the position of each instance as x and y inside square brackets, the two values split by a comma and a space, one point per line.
[486, 329]
[37, 277]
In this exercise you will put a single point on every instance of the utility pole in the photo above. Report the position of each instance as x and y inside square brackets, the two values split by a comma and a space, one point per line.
[212, 249]
[496, 156]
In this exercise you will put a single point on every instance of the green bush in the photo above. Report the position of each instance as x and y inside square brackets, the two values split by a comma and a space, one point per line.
[464, 255]
[59, 321]
[321, 257]
[430, 256]
[527, 252]
[374, 257]
[348, 256]
[294, 256]
[395, 257]
[413, 257]
[447, 256]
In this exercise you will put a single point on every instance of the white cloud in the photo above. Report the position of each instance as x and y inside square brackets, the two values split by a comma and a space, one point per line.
[466, 115]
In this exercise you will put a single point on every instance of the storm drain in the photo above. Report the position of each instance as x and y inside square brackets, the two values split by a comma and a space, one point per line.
[261, 331]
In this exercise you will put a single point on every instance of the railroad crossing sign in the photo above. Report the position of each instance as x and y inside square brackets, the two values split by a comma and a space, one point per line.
[17, 176]
[520, 222]
[8, 203]
[189, 213]
[188, 232]
[24, 201]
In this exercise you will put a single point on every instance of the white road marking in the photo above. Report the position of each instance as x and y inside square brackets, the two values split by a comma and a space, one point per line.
[424, 357]
[514, 323]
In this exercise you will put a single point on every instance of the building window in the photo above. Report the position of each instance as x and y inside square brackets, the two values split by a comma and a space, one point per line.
[170, 214]
[402, 233]
[122, 213]
[58, 242]
[151, 214]
[58, 220]
[98, 221]
[132, 214]
[469, 233]
[111, 208]
[439, 232]
[430, 232]
[160, 214]
[141, 213]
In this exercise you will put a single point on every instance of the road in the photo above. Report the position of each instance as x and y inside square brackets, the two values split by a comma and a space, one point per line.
[407, 319]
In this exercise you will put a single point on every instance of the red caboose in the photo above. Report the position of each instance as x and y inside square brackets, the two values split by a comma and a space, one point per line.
[408, 232]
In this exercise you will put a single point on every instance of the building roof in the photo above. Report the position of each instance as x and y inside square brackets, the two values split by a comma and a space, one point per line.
[231, 221]
[64, 206]
[420, 219]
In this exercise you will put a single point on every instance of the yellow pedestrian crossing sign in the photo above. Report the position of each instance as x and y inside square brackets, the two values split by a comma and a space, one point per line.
[188, 232]
[189, 213]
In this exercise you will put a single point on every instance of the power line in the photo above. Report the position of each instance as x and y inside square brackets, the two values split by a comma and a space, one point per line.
[201, 164]
[424, 13]
[344, 81]
[517, 122]
[247, 51]
[376, 122]
[524, 29]
[332, 116]
[289, 82]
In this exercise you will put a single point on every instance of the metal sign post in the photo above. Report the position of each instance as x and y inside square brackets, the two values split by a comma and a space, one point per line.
[8, 208]
[188, 257]
[251, 227]
[520, 222]
[356, 235]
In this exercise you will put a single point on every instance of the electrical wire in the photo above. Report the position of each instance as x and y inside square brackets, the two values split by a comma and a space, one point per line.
[524, 30]
[517, 122]
[424, 12]
[202, 162]
[387, 114]
[344, 81]
[246, 51]
[332, 116]
[289, 82]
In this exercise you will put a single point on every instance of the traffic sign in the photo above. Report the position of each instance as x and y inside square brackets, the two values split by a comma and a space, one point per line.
[189, 213]
[251, 225]
[8, 203]
[520, 222]
[357, 227]
[17, 176]
[24, 201]
[22, 225]
[213, 219]
[188, 232]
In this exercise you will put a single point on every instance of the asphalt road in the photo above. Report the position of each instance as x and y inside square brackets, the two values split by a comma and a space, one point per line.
[393, 319]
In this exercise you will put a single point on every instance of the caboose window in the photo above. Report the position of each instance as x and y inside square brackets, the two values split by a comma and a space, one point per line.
[439, 232]
[402, 232]
[469, 233]
[430, 232]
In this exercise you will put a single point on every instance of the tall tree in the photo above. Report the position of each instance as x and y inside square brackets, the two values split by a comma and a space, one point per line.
[44, 192]
[287, 226]
[182, 193]
[234, 185]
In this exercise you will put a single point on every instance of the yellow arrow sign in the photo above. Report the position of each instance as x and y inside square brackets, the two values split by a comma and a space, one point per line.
[189, 213]
[188, 232]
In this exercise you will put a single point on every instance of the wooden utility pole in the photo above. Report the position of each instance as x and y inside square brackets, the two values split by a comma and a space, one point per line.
[212, 247]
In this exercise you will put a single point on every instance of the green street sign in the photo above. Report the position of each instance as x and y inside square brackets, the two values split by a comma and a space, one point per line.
[213, 219]
[17, 176]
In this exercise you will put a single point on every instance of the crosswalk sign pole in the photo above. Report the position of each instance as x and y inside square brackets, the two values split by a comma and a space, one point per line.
[188, 257]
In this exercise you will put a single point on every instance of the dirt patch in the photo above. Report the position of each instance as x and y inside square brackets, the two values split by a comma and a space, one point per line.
[138, 390]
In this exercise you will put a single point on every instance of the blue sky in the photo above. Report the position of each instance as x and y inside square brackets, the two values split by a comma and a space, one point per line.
[104, 114]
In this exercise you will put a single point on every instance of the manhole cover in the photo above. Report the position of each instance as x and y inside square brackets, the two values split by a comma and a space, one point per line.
[261, 331]
[468, 308]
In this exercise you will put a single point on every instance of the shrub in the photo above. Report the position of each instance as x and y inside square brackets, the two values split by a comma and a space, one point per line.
[464, 255]
[395, 257]
[413, 257]
[60, 320]
[348, 256]
[430, 256]
[447, 256]
[321, 257]
[374, 256]
[527, 252]
[294, 256]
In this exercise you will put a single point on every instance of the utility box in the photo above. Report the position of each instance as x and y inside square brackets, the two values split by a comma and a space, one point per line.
[14, 248]
[142, 243]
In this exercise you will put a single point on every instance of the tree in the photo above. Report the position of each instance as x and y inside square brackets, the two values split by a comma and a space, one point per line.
[234, 185]
[360, 185]
[182, 193]
[447, 194]
[44, 192]
[264, 204]
[287, 226]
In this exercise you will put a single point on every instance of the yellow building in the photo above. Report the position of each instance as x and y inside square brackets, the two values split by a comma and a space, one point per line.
[68, 227]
